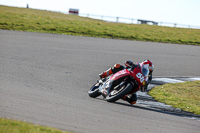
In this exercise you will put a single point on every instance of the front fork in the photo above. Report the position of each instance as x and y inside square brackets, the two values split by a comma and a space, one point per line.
[105, 88]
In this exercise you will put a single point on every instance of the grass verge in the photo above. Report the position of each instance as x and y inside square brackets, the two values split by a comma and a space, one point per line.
[13, 126]
[22, 19]
[185, 96]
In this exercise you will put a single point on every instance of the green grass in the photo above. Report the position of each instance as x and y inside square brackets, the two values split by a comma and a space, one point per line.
[13, 126]
[22, 19]
[185, 96]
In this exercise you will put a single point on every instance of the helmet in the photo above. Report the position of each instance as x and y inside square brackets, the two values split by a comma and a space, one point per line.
[128, 64]
[149, 64]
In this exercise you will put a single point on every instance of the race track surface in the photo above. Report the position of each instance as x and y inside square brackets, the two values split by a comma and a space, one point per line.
[44, 79]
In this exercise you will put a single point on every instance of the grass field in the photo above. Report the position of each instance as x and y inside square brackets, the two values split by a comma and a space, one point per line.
[22, 19]
[185, 96]
[13, 126]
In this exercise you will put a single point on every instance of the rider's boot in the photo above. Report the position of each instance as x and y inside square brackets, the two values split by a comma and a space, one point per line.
[106, 73]
[113, 70]
[131, 98]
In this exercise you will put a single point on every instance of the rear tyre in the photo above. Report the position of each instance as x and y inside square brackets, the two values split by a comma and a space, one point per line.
[114, 95]
[94, 91]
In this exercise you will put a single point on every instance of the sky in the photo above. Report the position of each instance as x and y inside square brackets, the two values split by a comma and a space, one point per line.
[173, 11]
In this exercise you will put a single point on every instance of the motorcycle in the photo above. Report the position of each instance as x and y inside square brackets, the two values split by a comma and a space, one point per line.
[120, 84]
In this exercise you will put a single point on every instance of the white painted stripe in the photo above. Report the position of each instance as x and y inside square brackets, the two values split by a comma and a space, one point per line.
[168, 80]
[195, 78]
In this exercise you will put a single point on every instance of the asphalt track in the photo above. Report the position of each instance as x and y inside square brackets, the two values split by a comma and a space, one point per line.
[44, 79]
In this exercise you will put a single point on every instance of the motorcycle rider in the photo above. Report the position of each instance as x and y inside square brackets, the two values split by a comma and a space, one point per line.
[150, 65]
[132, 97]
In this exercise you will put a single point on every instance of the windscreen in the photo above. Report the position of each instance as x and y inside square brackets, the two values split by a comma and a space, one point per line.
[145, 70]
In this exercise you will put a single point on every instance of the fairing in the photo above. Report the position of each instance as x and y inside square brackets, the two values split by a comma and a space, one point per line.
[136, 73]
[120, 74]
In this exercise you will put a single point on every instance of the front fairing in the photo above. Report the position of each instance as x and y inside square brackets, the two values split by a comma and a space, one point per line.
[137, 74]
[104, 87]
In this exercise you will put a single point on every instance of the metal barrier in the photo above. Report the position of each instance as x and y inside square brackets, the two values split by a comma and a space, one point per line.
[137, 21]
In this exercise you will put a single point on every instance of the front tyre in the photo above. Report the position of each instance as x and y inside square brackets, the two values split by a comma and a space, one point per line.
[114, 95]
[94, 91]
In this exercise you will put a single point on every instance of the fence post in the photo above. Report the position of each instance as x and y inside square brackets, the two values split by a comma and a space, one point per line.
[175, 25]
[117, 19]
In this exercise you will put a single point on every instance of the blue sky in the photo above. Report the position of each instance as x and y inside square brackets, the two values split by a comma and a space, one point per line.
[175, 11]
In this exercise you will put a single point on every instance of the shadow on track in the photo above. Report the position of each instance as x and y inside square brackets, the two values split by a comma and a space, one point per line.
[158, 109]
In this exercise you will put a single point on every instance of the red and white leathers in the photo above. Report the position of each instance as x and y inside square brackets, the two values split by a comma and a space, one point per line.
[150, 66]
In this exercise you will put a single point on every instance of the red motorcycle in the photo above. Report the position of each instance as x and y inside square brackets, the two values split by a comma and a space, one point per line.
[120, 84]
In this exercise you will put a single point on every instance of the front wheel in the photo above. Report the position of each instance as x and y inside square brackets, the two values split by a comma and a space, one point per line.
[94, 91]
[114, 95]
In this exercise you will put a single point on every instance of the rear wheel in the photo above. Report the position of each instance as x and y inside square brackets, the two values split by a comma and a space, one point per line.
[94, 91]
[116, 94]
